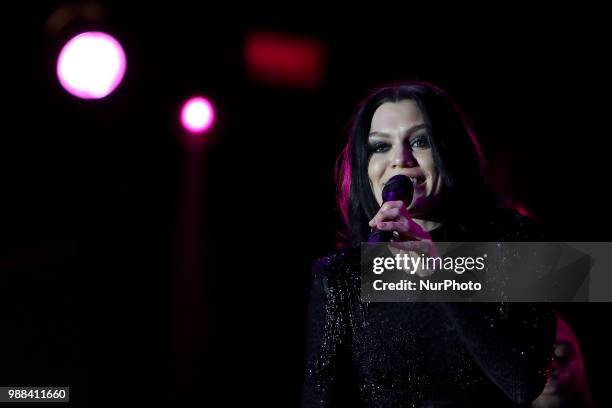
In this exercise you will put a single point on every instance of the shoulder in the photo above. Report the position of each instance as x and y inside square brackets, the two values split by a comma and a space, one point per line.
[338, 262]
[496, 224]
[340, 268]
[509, 225]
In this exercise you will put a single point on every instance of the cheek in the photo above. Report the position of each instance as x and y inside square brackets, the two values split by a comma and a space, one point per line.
[426, 163]
[375, 169]
[569, 371]
[428, 167]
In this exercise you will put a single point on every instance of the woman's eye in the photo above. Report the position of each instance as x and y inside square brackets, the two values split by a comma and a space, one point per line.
[420, 142]
[379, 147]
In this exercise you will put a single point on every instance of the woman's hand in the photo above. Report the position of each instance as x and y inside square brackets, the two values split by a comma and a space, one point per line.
[408, 236]
[393, 216]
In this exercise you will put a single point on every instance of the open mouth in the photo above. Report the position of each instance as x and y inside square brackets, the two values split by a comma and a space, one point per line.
[416, 181]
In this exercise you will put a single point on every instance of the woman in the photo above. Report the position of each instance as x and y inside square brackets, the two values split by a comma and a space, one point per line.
[419, 354]
[567, 385]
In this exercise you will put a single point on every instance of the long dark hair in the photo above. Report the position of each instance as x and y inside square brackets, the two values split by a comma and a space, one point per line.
[455, 151]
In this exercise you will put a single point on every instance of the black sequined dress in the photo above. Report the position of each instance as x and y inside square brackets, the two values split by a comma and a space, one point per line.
[424, 354]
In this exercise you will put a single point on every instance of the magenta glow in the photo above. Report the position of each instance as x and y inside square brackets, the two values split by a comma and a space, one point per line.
[91, 65]
[197, 115]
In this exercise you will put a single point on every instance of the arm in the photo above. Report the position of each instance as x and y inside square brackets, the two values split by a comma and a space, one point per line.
[511, 342]
[327, 381]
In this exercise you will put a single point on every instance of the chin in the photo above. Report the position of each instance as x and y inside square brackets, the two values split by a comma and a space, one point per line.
[548, 401]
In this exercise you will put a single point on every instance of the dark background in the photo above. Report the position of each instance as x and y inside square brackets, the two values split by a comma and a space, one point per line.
[91, 190]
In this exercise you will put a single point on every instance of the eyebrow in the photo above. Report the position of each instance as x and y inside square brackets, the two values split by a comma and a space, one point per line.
[409, 131]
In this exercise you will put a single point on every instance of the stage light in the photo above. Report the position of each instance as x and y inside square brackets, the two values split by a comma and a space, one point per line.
[197, 115]
[91, 65]
[285, 60]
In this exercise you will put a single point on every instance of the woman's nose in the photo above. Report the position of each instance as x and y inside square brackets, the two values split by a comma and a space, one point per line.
[403, 157]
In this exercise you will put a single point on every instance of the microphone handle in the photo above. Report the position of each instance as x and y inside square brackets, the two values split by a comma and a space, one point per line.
[379, 236]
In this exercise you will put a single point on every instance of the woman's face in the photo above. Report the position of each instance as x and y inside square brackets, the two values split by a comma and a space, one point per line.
[567, 377]
[398, 144]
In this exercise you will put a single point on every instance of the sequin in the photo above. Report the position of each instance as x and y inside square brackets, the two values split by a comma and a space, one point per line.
[421, 354]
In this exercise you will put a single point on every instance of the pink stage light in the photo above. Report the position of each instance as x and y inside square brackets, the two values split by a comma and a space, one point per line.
[91, 65]
[285, 60]
[197, 115]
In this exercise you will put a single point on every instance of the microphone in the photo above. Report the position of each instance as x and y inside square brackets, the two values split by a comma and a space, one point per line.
[397, 188]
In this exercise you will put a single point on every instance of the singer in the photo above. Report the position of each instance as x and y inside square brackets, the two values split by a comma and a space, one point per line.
[419, 354]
